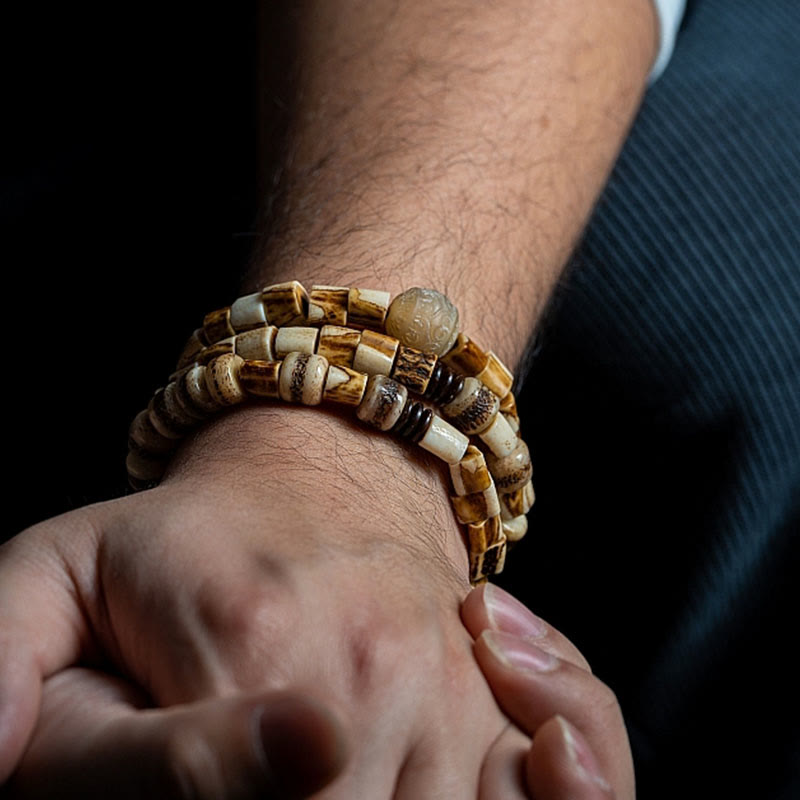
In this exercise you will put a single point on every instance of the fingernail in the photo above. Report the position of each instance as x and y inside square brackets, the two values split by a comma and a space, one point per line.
[506, 613]
[581, 757]
[519, 653]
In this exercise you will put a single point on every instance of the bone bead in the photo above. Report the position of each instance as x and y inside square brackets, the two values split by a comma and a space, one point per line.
[222, 379]
[413, 368]
[338, 345]
[175, 409]
[466, 357]
[194, 387]
[375, 353]
[327, 305]
[444, 441]
[516, 528]
[490, 562]
[248, 312]
[518, 502]
[261, 378]
[295, 340]
[257, 344]
[424, 319]
[182, 399]
[513, 422]
[473, 408]
[499, 437]
[221, 348]
[483, 535]
[285, 303]
[383, 402]
[162, 420]
[144, 436]
[471, 473]
[192, 349]
[217, 325]
[476, 507]
[143, 469]
[302, 378]
[513, 470]
[366, 308]
[344, 385]
[508, 405]
[497, 376]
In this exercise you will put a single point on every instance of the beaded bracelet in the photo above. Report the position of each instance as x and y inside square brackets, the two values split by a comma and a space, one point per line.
[336, 345]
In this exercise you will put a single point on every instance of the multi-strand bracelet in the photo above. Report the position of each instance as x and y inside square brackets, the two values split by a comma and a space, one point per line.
[353, 347]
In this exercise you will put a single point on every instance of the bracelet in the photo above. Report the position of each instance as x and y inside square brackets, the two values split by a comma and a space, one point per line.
[354, 348]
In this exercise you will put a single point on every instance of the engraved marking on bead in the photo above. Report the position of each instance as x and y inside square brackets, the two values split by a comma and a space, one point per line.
[414, 368]
[473, 408]
[383, 403]
[424, 319]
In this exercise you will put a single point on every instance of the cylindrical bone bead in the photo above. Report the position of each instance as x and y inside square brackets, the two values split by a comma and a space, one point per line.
[375, 353]
[327, 305]
[257, 344]
[217, 325]
[261, 378]
[192, 349]
[476, 507]
[424, 319]
[518, 502]
[516, 528]
[482, 535]
[285, 303]
[220, 348]
[508, 405]
[222, 379]
[497, 376]
[466, 357]
[471, 473]
[248, 312]
[473, 408]
[144, 436]
[302, 378]
[344, 385]
[413, 368]
[513, 470]
[194, 387]
[499, 437]
[444, 441]
[296, 340]
[366, 308]
[162, 420]
[513, 422]
[338, 345]
[490, 562]
[383, 402]
[144, 469]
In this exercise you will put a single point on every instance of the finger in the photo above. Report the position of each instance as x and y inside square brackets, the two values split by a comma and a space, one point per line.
[93, 743]
[561, 766]
[490, 607]
[532, 685]
[503, 773]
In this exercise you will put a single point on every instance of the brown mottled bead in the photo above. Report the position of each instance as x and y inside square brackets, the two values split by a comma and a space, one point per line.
[413, 368]
[176, 410]
[144, 470]
[490, 562]
[222, 379]
[511, 471]
[221, 348]
[192, 385]
[302, 378]
[473, 408]
[296, 339]
[466, 357]
[162, 420]
[191, 350]
[508, 405]
[248, 313]
[344, 385]
[257, 344]
[497, 376]
[261, 378]
[338, 345]
[517, 502]
[375, 353]
[285, 303]
[143, 436]
[217, 325]
[423, 319]
[476, 507]
[366, 308]
[383, 402]
[471, 473]
[327, 305]
[516, 528]
[485, 534]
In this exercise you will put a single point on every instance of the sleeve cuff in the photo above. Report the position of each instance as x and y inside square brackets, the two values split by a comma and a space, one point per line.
[670, 14]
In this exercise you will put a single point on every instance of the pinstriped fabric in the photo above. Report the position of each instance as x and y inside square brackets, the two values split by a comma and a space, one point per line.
[667, 398]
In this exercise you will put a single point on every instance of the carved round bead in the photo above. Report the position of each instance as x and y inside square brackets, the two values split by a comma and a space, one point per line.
[383, 402]
[473, 408]
[302, 378]
[512, 471]
[424, 319]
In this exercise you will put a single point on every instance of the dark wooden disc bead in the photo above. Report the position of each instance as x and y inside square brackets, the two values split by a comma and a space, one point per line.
[413, 421]
[444, 385]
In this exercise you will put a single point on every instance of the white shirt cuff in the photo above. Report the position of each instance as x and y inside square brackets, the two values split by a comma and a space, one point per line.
[670, 14]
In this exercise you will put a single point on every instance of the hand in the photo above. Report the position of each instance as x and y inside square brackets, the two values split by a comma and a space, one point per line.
[541, 680]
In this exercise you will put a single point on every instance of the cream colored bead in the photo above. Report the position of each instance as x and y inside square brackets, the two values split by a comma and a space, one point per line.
[344, 385]
[508, 405]
[383, 402]
[261, 378]
[145, 437]
[221, 348]
[217, 325]
[302, 378]
[482, 535]
[497, 376]
[466, 357]
[516, 503]
[192, 349]
[285, 303]
[516, 528]
[490, 562]
[248, 312]
[327, 305]
[413, 368]
[476, 507]
[257, 344]
[338, 345]
[296, 340]
[444, 441]
[175, 409]
[424, 319]
[513, 422]
[499, 437]
[471, 473]
[366, 308]
[193, 385]
[375, 353]
[513, 470]
[473, 408]
[222, 379]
